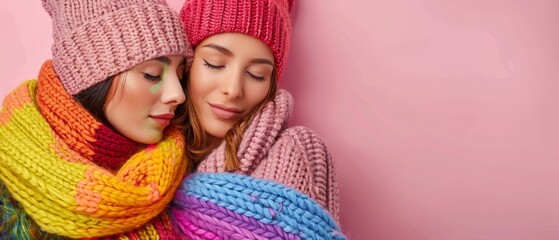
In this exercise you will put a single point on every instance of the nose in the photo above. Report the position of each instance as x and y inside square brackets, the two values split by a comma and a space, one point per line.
[172, 90]
[231, 84]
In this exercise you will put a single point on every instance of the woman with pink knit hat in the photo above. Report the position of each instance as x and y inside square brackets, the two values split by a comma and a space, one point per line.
[273, 181]
[93, 147]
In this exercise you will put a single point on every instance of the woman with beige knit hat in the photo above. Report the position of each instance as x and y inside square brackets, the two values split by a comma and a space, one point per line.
[256, 177]
[92, 148]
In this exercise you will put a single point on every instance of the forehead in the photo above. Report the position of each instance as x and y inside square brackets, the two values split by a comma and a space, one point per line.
[239, 44]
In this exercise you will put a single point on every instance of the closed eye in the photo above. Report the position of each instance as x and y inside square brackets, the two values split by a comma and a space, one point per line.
[257, 78]
[207, 64]
[152, 78]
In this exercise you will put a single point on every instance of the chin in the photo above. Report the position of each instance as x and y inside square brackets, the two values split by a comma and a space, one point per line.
[217, 133]
[217, 129]
[151, 141]
[148, 139]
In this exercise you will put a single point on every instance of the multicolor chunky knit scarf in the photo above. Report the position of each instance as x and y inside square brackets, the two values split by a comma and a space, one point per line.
[233, 206]
[60, 168]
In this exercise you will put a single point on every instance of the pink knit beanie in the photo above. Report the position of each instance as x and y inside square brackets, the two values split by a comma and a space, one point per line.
[96, 39]
[267, 20]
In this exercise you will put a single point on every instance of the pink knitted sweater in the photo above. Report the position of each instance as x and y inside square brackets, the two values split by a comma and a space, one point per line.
[293, 156]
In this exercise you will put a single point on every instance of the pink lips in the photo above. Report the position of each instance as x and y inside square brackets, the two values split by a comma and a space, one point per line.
[163, 119]
[225, 113]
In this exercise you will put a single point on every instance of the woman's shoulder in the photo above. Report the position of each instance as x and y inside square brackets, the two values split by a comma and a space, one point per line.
[303, 136]
[298, 156]
[300, 159]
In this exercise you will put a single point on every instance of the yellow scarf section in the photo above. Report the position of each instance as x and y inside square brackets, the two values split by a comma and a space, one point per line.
[64, 192]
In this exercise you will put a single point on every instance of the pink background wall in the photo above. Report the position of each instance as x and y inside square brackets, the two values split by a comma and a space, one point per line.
[442, 115]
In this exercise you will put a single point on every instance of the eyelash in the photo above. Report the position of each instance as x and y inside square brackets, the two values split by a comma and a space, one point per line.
[257, 78]
[207, 64]
[152, 78]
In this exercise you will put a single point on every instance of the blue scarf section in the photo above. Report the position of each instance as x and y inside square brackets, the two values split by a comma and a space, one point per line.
[232, 206]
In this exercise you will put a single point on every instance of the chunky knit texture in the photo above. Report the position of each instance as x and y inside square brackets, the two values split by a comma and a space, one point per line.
[96, 39]
[267, 20]
[294, 156]
[232, 206]
[48, 151]
[161, 228]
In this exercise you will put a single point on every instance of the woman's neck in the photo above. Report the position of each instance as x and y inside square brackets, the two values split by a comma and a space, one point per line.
[213, 142]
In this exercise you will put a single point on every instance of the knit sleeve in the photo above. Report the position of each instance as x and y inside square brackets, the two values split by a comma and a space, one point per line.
[300, 159]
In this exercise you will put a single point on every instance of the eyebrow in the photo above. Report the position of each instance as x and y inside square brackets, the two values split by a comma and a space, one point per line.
[163, 60]
[262, 60]
[167, 60]
[221, 49]
[228, 53]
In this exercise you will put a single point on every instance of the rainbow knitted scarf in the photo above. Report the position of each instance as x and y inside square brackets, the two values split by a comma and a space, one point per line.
[232, 206]
[48, 162]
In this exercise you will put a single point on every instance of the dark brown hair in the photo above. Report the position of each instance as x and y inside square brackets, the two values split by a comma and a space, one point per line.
[93, 99]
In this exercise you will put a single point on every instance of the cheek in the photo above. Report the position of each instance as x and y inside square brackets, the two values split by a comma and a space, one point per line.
[140, 92]
[256, 93]
[200, 83]
[134, 96]
[196, 94]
